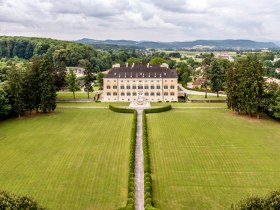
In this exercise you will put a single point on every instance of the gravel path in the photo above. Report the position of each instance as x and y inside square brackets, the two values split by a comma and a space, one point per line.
[139, 165]
[193, 92]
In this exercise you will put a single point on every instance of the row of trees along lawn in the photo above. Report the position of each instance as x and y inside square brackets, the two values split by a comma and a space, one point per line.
[248, 93]
[28, 86]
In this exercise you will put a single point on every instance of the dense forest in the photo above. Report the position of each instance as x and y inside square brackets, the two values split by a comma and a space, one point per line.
[26, 48]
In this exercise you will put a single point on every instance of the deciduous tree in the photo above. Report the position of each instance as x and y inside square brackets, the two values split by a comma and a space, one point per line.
[72, 82]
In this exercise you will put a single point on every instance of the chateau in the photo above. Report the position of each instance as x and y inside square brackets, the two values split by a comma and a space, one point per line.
[152, 83]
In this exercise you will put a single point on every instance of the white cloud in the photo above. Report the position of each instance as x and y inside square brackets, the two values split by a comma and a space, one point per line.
[163, 20]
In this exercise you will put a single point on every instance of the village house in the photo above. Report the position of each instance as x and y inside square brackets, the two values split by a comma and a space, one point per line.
[77, 70]
[198, 83]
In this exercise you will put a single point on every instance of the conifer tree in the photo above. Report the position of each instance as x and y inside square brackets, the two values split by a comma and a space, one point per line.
[46, 86]
[15, 87]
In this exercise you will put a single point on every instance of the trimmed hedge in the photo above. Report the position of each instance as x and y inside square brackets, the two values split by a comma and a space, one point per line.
[15, 202]
[130, 205]
[157, 110]
[121, 110]
[148, 188]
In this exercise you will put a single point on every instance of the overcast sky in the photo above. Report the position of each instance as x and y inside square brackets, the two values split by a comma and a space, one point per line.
[157, 20]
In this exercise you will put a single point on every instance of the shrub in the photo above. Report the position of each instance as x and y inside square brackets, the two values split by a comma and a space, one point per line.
[271, 201]
[15, 202]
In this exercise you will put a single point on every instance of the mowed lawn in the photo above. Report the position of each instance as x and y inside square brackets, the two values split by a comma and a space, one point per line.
[78, 95]
[72, 159]
[211, 158]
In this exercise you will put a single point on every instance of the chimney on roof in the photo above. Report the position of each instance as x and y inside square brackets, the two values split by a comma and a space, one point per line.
[126, 64]
[132, 65]
[164, 73]
[148, 64]
[115, 73]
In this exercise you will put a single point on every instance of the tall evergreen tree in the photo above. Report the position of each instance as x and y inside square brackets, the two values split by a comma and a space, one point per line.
[59, 70]
[216, 75]
[31, 85]
[15, 87]
[5, 106]
[46, 87]
[245, 86]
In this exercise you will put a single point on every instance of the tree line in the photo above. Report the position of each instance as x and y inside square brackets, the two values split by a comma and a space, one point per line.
[247, 91]
[28, 86]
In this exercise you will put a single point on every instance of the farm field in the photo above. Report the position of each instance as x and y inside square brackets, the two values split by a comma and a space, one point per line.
[67, 160]
[211, 158]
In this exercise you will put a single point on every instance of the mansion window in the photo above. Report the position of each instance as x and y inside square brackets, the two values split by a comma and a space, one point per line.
[146, 87]
[172, 93]
[165, 87]
[122, 93]
[127, 87]
[146, 94]
[152, 87]
[134, 93]
[172, 87]
[115, 93]
[134, 87]
[152, 94]
[108, 93]
[158, 87]
[108, 87]
[140, 87]
[158, 93]
[128, 93]
[122, 87]
[114, 87]
[165, 93]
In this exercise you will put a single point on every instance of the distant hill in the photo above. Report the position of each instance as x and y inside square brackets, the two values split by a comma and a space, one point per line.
[198, 44]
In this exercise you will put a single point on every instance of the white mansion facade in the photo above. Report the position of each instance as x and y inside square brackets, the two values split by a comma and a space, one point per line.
[150, 82]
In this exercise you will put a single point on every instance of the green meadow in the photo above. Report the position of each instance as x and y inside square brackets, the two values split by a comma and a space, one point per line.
[211, 158]
[69, 159]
